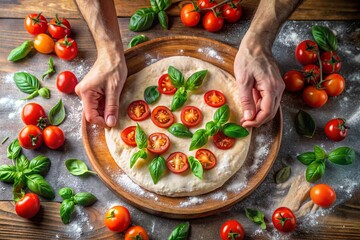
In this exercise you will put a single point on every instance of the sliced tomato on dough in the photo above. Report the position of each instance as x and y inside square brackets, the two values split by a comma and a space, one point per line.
[158, 143]
[191, 116]
[165, 86]
[177, 162]
[206, 158]
[214, 98]
[222, 141]
[138, 110]
[128, 136]
[162, 117]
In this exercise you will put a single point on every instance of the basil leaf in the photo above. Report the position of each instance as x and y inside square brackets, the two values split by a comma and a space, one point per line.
[77, 167]
[7, 173]
[27, 83]
[180, 130]
[84, 199]
[157, 168]
[305, 124]
[151, 94]
[37, 184]
[283, 175]
[163, 19]
[40, 165]
[320, 154]
[14, 149]
[22, 163]
[19, 184]
[196, 167]
[181, 232]
[176, 77]
[195, 80]
[222, 114]
[66, 210]
[324, 37]
[142, 20]
[211, 128]
[57, 114]
[256, 216]
[234, 131]
[140, 154]
[50, 70]
[160, 5]
[137, 40]
[199, 139]
[66, 193]
[179, 98]
[307, 158]
[315, 171]
[140, 137]
[21, 51]
[44, 92]
[342, 156]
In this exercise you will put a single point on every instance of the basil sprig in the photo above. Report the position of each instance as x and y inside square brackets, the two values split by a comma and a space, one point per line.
[316, 161]
[21, 51]
[57, 113]
[160, 5]
[196, 167]
[181, 232]
[256, 216]
[180, 130]
[77, 167]
[137, 40]
[151, 94]
[13, 150]
[324, 37]
[157, 168]
[283, 175]
[51, 69]
[141, 142]
[305, 124]
[28, 83]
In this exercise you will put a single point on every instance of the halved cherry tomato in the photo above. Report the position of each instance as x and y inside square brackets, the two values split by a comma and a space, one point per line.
[191, 116]
[138, 110]
[334, 84]
[136, 233]
[165, 86]
[30, 137]
[336, 129]
[330, 62]
[43, 43]
[314, 97]
[214, 98]
[294, 80]
[232, 230]
[35, 23]
[323, 195]
[222, 141]
[311, 74]
[66, 48]
[28, 206]
[33, 114]
[232, 11]
[54, 137]
[59, 27]
[206, 158]
[177, 162]
[128, 136]
[158, 143]
[306, 52]
[162, 117]
[284, 219]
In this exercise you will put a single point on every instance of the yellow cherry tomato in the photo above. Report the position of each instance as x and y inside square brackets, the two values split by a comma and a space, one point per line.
[43, 43]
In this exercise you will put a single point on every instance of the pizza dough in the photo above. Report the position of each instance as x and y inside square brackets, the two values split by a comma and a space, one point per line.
[185, 184]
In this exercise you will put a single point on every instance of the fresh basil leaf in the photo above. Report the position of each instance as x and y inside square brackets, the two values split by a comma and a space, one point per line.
[179, 98]
[157, 168]
[180, 130]
[140, 137]
[181, 232]
[19, 184]
[256, 216]
[315, 171]
[160, 5]
[66, 210]
[199, 139]
[37, 184]
[50, 70]
[320, 154]
[324, 37]
[176, 77]
[27, 83]
[66, 193]
[195, 80]
[305, 124]
[44, 92]
[14, 150]
[57, 114]
[151, 94]
[77, 167]
[7, 173]
[84, 199]
[40, 165]
[137, 40]
[140, 154]
[307, 158]
[22, 163]
[222, 114]
[196, 167]
[234, 131]
[142, 20]
[283, 175]
[21, 51]
[211, 128]
[163, 19]
[342, 156]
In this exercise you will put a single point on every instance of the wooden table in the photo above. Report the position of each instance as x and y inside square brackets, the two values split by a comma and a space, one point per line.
[343, 222]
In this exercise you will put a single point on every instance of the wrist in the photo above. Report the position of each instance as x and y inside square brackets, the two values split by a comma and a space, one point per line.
[257, 42]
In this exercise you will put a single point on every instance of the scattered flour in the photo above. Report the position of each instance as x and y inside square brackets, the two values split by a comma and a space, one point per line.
[192, 201]
[210, 52]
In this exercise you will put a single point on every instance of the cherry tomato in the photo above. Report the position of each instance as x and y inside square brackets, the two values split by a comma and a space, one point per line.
[206, 158]
[334, 84]
[211, 22]
[138, 110]
[323, 195]
[294, 81]
[35, 23]
[162, 117]
[314, 97]
[165, 86]
[28, 206]
[336, 129]
[128, 136]
[43, 43]
[232, 11]
[284, 219]
[136, 233]
[330, 62]
[66, 82]
[33, 114]
[232, 229]
[66, 48]
[117, 219]
[190, 16]
[158, 143]
[191, 116]
[214, 98]
[54, 137]
[222, 141]
[30, 137]
[203, 4]
[306, 52]
[311, 74]
[177, 162]
[59, 27]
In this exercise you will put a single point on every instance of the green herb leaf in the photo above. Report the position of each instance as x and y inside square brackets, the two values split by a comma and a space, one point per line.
[196, 167]
[19, 184]
[22, 163]
[37, 184]
[176, 77]
[140, 154]
[21, 51]
[211, 128]
[50, 70]
[181, 232]
[163, 19]
[27, 83]
[77, 167]
[305, 124]
[14, 149]
[151, 94]
[315, 171]
[7, 173]
[142, 20]
[320, 154]
[84, 199]
[39, 165]
[342, 156]
[307, 158]
[157, 168]
[66, 193]
[256, 216]
[137, 40]
[324, 37]
[195, 80]
[140, 137]
[57, 114]
[160, 5]
[235, 131]
[180, 130]
[222, 114]
[66, 210]
[199, 139]
[44, 92]
[283, 175]
[180, 97]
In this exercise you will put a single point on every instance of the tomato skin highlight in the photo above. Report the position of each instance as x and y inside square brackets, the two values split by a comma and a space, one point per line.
[177, 162]
[28, 206]
[117, 219]
[35, 23]
[232, 229]
[54, 137]
[165, 86]
[211, 22]
[136, 233]
[32, 114]
[232, 11]
[128, 136]
[162, 117]
[334, 84]
[330, 62]
[323, 195]
[214, 98]
[294, 81]
[43, 43]
[158, 143]
[191, 116]
[189, 15]
[284, 219]
[314, 97]
[66, 48]
[59, 27]
[30, 137]
[336, 129]
[138, 110]
[306, 52]
[222, 141]
[206, 158]
[66, 82]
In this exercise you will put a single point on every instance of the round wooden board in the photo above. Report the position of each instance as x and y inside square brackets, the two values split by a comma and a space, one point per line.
[218, 54]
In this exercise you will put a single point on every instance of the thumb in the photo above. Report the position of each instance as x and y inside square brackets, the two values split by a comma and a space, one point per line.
[111, 109]
[247, 102]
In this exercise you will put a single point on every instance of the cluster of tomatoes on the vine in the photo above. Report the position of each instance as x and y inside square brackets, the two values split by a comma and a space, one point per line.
[59, 29]
[213, 13]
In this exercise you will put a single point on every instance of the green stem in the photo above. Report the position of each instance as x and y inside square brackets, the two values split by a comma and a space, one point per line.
[5, 139]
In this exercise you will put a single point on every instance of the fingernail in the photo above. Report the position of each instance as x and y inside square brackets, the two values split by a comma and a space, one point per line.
[247, 115]
[111, 121]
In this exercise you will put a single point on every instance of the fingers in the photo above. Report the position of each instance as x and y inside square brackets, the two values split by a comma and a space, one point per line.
[111, 107]
[247, 100]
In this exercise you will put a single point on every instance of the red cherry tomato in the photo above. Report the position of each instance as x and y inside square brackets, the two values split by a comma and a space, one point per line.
[35, 23]
[128, 136]
[59, 27]
[330, 62]
[334, 84]
[314, 97]
[211, 22]
[306, 52]
[232, 229]
[66, 48]
[336, 129]
[43, 43]
[165, 86]
[54, 137]
[33, 114]
[136, 233]
[284, 219]
[28, 206]
[158, 143]
[203, 4]
[206, 158]
[190, 16]
[311, 74]
[323, 195]
[222, 141]
[162, 117]
[66, 82]
[138, 110]
[191, 116]
[117, 219]
[232, 11]
[214, 98]
[30, 137]
[294, 81]
[177, 162]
